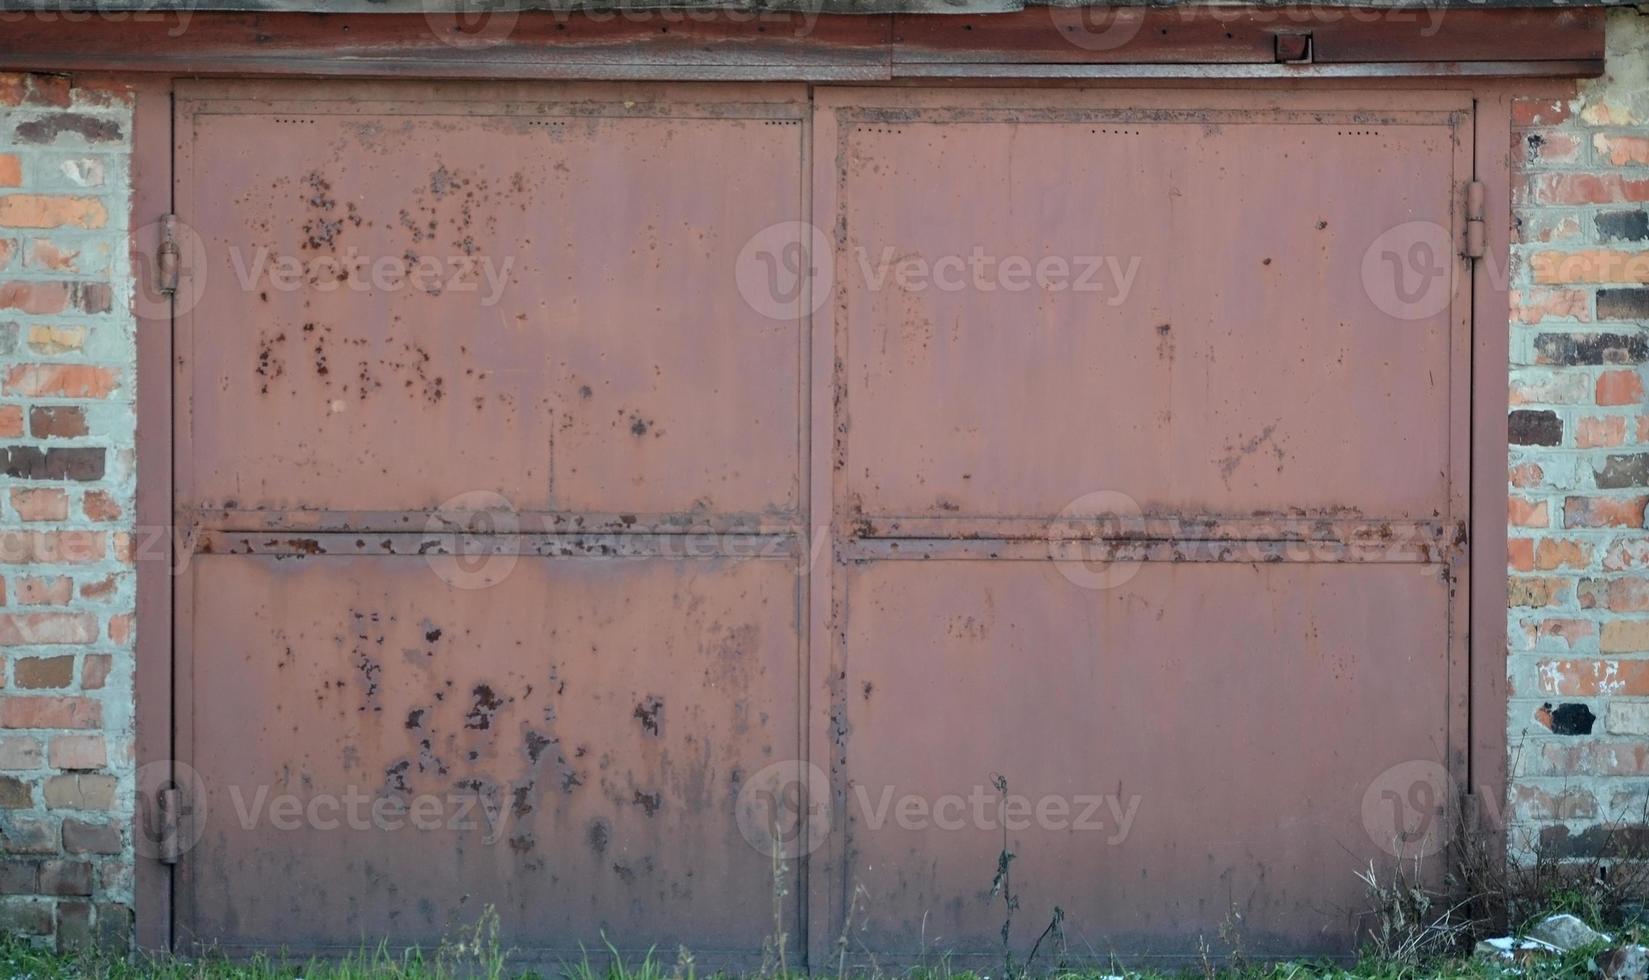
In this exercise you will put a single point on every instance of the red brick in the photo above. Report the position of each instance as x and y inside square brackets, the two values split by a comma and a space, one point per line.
[11, 170]
[50, 90]
[1569, 803]
[52, 547]
[1625, 636]
[1585, 188]
[85, 837]
[1562, 553]
[1536, 592]
[1550, 388]
[16, 793]
[65, 878]
[100, 588]
[1604, 511]
[61, 381]
[1626, 553]
[11, 421]
[26, 834]
[1526, 475]
[48, 255]
[93, 297]
[32, 590]
[1536, 304]
[55, 711]
[94, 671]
[1619, 388]
[20, 752]
[120, 628]
[36, 673]
[1539, 112]
[38, 298]
[1527, 513]
[71, 752]
[1592, 678]
[57, 422]
[1570, 631]
[80, 791]
[36, 628]
[1622, 151]
[100, 506]
[1597, 432]
[1520, 554]
[40, 505]
[1595, 265]
[1548, 147]
[19, 878]
[45, 211]
[26, 918]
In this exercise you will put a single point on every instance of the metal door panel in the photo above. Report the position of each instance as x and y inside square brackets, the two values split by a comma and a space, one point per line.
[1199, 539]
[1189, 324]
[1286, 628]
[575, 340]
[591, 719]
[1210, 728]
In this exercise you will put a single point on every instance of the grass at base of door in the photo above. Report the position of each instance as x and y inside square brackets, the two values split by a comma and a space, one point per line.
[22, 960]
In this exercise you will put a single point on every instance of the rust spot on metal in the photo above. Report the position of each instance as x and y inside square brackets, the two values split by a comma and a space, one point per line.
[650, 712]
[486, 705]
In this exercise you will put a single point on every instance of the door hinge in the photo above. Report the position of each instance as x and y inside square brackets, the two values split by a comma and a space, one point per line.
[1474, 219]
[169, 804]
[166, 257]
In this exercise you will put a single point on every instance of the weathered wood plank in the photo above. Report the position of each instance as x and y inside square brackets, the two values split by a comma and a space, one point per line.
[1042, 42]
[1247, 35]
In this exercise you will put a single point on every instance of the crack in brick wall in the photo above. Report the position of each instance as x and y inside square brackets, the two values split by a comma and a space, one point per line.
[67, 357]
[1579, 469]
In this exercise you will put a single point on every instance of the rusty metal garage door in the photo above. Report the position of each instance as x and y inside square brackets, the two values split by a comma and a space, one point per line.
[1039, 498]
[426, 312]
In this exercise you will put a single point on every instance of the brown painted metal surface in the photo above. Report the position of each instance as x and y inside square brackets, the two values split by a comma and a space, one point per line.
[573, 731]
[1186, 42]
[1200, 741]
[575, 345]
[579, 717]
[856, 539]
[1283, 461]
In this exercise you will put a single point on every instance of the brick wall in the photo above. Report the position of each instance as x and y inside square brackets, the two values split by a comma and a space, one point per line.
[1579, 472]
[67, 355]
[1579, 597]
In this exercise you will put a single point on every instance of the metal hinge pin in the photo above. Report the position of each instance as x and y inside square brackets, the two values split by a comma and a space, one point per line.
[1474, 219]
[166, 257]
